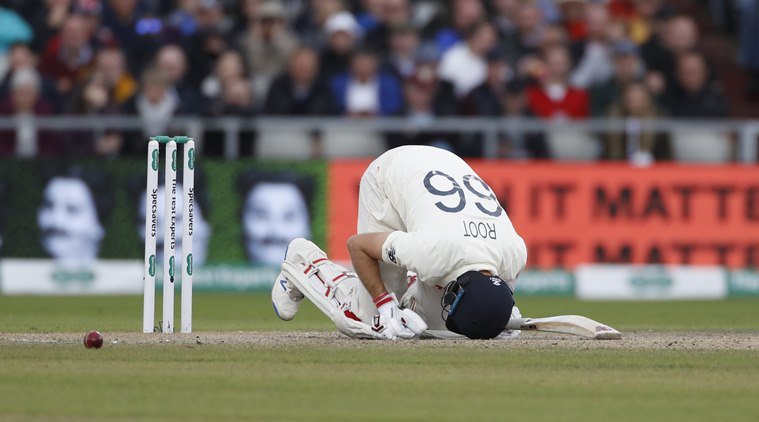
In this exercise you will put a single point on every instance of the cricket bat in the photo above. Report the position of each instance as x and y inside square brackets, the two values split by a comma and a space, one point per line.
[566, 324]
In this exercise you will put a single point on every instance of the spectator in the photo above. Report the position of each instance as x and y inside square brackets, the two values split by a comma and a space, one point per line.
[506, 17]
[106, 92]
[68, 58]
[20, 56]
[749, 50]
[426, 73]
[404, 41]
[393, 13]
[464, 64]
[207, 61]
[343, 35]
[182, 19]
[156, 104]
[529, 31]
[628, 67]
[236, 99]
[242, 11]
[299, 91]
[464, 14]
[24, 100]
[420, 110]
[695, 95]
[573, 18]
[122, 86]
[592, 54]
[91, 10]
[48, 20]
[366, 91]
[172, 61]
[229, 67]
[427, 97]
[553, 36]
[369, 15]
[13, 29]
[419, 103]
[518, 144]
[679, 36]
[486, 99]
[644, 22]
[310, 22]
[136, 34]
[552, 97]
[208, 43]
[121, 17]
[550, 10]
[616, 31]
[267, 44]
[622, 9]
[636, 144]
[110, 86]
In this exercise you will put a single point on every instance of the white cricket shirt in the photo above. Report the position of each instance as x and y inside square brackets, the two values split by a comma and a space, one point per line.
[450, 220]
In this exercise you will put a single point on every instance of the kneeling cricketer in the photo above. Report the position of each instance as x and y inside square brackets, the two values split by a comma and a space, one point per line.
[430, 232]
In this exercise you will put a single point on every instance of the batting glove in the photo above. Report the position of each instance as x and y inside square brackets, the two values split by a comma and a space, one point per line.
[392, 322]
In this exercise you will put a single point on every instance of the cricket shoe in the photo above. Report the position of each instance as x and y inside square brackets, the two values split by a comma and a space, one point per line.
[286, 298]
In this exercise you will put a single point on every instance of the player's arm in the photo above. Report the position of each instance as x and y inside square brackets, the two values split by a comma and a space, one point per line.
[366, 251]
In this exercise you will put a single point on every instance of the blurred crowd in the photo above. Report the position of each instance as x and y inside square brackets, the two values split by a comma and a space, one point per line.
[552, 59]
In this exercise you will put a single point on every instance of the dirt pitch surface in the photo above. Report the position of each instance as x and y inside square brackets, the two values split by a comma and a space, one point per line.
[633, 340]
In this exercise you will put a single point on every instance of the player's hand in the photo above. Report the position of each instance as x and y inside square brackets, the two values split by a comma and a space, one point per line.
[389, 323]
[393, 323]
[413, 322]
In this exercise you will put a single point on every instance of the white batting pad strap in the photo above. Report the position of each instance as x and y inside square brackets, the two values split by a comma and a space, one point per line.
[331, 272]
[333, 301]
[325, 283]
[334, 277]
[304, 253]
[318, 292]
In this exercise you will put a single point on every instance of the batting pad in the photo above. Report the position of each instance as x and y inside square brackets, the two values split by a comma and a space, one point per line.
[337, 292]
[333, 290]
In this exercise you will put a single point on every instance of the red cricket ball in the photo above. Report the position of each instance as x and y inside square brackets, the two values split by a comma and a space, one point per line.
[93, 340]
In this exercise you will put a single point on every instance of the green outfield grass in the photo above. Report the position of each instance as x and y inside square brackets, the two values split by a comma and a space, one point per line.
[225, 312]
[374, 380]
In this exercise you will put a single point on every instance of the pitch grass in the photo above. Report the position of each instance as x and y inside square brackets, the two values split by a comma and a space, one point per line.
[370, 382]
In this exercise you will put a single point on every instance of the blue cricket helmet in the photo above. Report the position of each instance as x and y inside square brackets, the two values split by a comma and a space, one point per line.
[477, 305]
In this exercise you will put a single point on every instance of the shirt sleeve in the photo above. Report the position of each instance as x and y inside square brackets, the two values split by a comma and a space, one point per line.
[419, 252]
